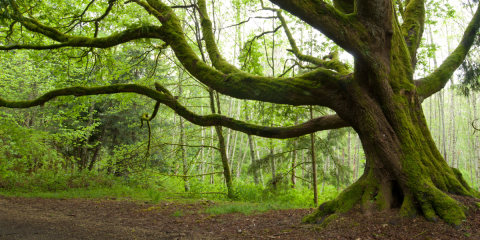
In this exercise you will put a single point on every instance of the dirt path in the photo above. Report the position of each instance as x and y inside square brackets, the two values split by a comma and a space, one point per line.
[22, 218]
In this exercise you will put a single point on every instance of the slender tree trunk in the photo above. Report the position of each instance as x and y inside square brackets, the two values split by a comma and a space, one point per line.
[203, 162]
[454, 136]
[304, 165]
[85, 148]
[222, 147]
[314, 164]
[325, 172]
[229, 131]
[97, 149]
[475, 140]
[252, 149]
[357, 150]
[349, 143]
[212, 177]
[258, 157]
[174, 130]
[294, 158]
[355, 160]
[240, 163]
[272, 159]
[233, 148]
[183, 151]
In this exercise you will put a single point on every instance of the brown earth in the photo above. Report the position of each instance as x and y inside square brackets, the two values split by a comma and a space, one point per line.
[33, 218]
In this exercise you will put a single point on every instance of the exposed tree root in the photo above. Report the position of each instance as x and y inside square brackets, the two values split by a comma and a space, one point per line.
[368, 194]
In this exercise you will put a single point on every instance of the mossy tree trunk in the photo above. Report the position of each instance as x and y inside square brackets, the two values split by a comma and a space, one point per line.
[403, 168]
[403, 165]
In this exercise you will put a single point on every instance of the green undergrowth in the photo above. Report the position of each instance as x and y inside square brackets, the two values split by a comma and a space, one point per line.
[66, 185]
[247, 208]
[248, 197]
[97, 192]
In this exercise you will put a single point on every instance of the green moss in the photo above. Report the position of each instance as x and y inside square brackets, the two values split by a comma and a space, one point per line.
[349, 197]
[429, 212]
[346, 200]
[310, 218]
[460, 178]
[449, 210]
[324, 209]
[328, 220]
[369, 194]
[381, 200]
[408, 208]
[345, 6]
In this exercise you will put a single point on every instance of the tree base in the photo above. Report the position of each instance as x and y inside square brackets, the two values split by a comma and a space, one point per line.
[368, 194]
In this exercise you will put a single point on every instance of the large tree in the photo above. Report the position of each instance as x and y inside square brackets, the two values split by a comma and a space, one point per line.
[379, 99]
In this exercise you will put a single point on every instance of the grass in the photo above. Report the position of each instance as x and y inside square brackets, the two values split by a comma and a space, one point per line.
[250, 198]
[244, 208]
[99, 192]
[178, 213]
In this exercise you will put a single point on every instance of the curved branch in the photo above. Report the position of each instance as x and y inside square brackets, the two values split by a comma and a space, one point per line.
[164, 97]
[439, 78]
[333, 64]
[221, 64]
[104, 42]
[215, 56]
[318, 87]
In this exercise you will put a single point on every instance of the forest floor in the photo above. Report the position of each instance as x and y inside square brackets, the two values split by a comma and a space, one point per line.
[35, 218]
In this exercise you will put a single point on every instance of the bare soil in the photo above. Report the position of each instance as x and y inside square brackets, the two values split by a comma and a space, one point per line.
[33, 218]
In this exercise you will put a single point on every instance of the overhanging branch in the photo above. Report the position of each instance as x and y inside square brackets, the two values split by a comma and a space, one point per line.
[105, 42]
[314, 88]
[163, 96]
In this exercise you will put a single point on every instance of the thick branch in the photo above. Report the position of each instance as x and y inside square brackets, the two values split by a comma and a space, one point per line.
[314, 88]
[376, 11]
[439, 78]
[318, 87]
[413, 26]
[164, 97]
[104, 42]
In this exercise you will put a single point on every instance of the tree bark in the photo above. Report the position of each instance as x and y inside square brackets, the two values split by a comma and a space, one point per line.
[403, 168]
